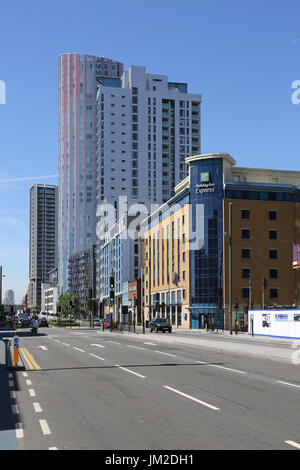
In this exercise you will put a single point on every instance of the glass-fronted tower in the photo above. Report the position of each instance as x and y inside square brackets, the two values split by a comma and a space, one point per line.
[78, 78]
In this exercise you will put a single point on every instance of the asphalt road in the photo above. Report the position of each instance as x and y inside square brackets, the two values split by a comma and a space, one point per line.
[100, 390]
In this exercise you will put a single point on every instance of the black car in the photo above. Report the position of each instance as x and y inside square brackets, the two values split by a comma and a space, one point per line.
[43, 322]
[160, 324]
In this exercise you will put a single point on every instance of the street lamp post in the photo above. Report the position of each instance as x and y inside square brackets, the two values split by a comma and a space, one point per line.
[1, 276]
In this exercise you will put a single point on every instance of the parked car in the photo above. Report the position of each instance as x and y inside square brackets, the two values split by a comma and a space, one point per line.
[43, 322]
[97, 322]
[160, 324]
[108, 324]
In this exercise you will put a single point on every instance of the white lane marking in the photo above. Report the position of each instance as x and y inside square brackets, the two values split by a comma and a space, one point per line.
[15, 409]
[52, 448]
[43, 347]
[37, 408]
[135, 347]
[98, 345]
[77, 349]
[191, 398]
[10, 376]
[28, 382]
[11, 383]
[149, 342]
[32, 392]
[19, 431]
[222, 367]
[25, 374]
[66, 344]
[293, 443]
[45, 427]
[12, 394]
[98, 357]
[131, 371]
[287, 383]
[166, 354]
[57, 340]
[227, 368]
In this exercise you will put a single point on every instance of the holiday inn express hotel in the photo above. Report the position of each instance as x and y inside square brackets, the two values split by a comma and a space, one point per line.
[188, 271]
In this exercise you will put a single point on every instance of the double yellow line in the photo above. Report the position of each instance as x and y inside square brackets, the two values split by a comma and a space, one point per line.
[32, 365]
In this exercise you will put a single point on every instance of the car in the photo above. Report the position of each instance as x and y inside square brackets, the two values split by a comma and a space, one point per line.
[43, 322]
[160, 324]
[25, 322]
[109, 324]
[97, 322]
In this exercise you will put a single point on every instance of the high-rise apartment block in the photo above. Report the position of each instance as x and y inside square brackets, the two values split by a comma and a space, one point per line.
[147, 126]
[78, 75]
[43, 239]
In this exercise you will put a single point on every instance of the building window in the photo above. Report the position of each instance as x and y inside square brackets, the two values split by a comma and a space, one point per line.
[273, 293]
[245, 233]
[273, 254]
[245, 252]
[272, 234]
[272, 215]
[245, 292]
[245, 273]
[273, 273]
[245, 214]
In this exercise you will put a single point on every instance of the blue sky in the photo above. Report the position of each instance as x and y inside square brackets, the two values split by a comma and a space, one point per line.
[243, 56]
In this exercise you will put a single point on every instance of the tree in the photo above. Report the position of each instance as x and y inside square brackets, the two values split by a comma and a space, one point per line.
[67, 299]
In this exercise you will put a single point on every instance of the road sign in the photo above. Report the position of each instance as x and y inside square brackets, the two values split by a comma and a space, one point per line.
[16, 339]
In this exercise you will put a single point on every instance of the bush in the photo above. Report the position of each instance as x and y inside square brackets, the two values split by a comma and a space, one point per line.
[64, 322]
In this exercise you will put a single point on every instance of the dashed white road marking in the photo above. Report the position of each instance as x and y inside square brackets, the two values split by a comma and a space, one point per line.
[32, 392]
[287, 383]
[222, 367]
[11, 383]
[45, 427]
[149, 342]
[12, 394]
[192, 398]
[45, 348]
[52, 448]
[65, 344]
[19, 431]
[166, 354]
[292, 443]
[134, 347]
[37, 408]
[131, 371]
[25, 374]
[98, 345]
[28, 382]
[77, 349]
[98, 357]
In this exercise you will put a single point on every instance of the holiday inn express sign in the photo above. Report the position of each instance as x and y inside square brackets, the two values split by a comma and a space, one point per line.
[205, 185]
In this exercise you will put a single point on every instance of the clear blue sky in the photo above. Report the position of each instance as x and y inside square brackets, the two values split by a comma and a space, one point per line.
[241, 55]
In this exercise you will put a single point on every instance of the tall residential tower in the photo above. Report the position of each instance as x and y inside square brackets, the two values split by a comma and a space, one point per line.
[43, 239]
[78, 75]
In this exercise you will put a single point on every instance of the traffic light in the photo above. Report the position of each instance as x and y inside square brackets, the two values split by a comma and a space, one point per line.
[111, 290]
[71, 305]
[236, 304]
